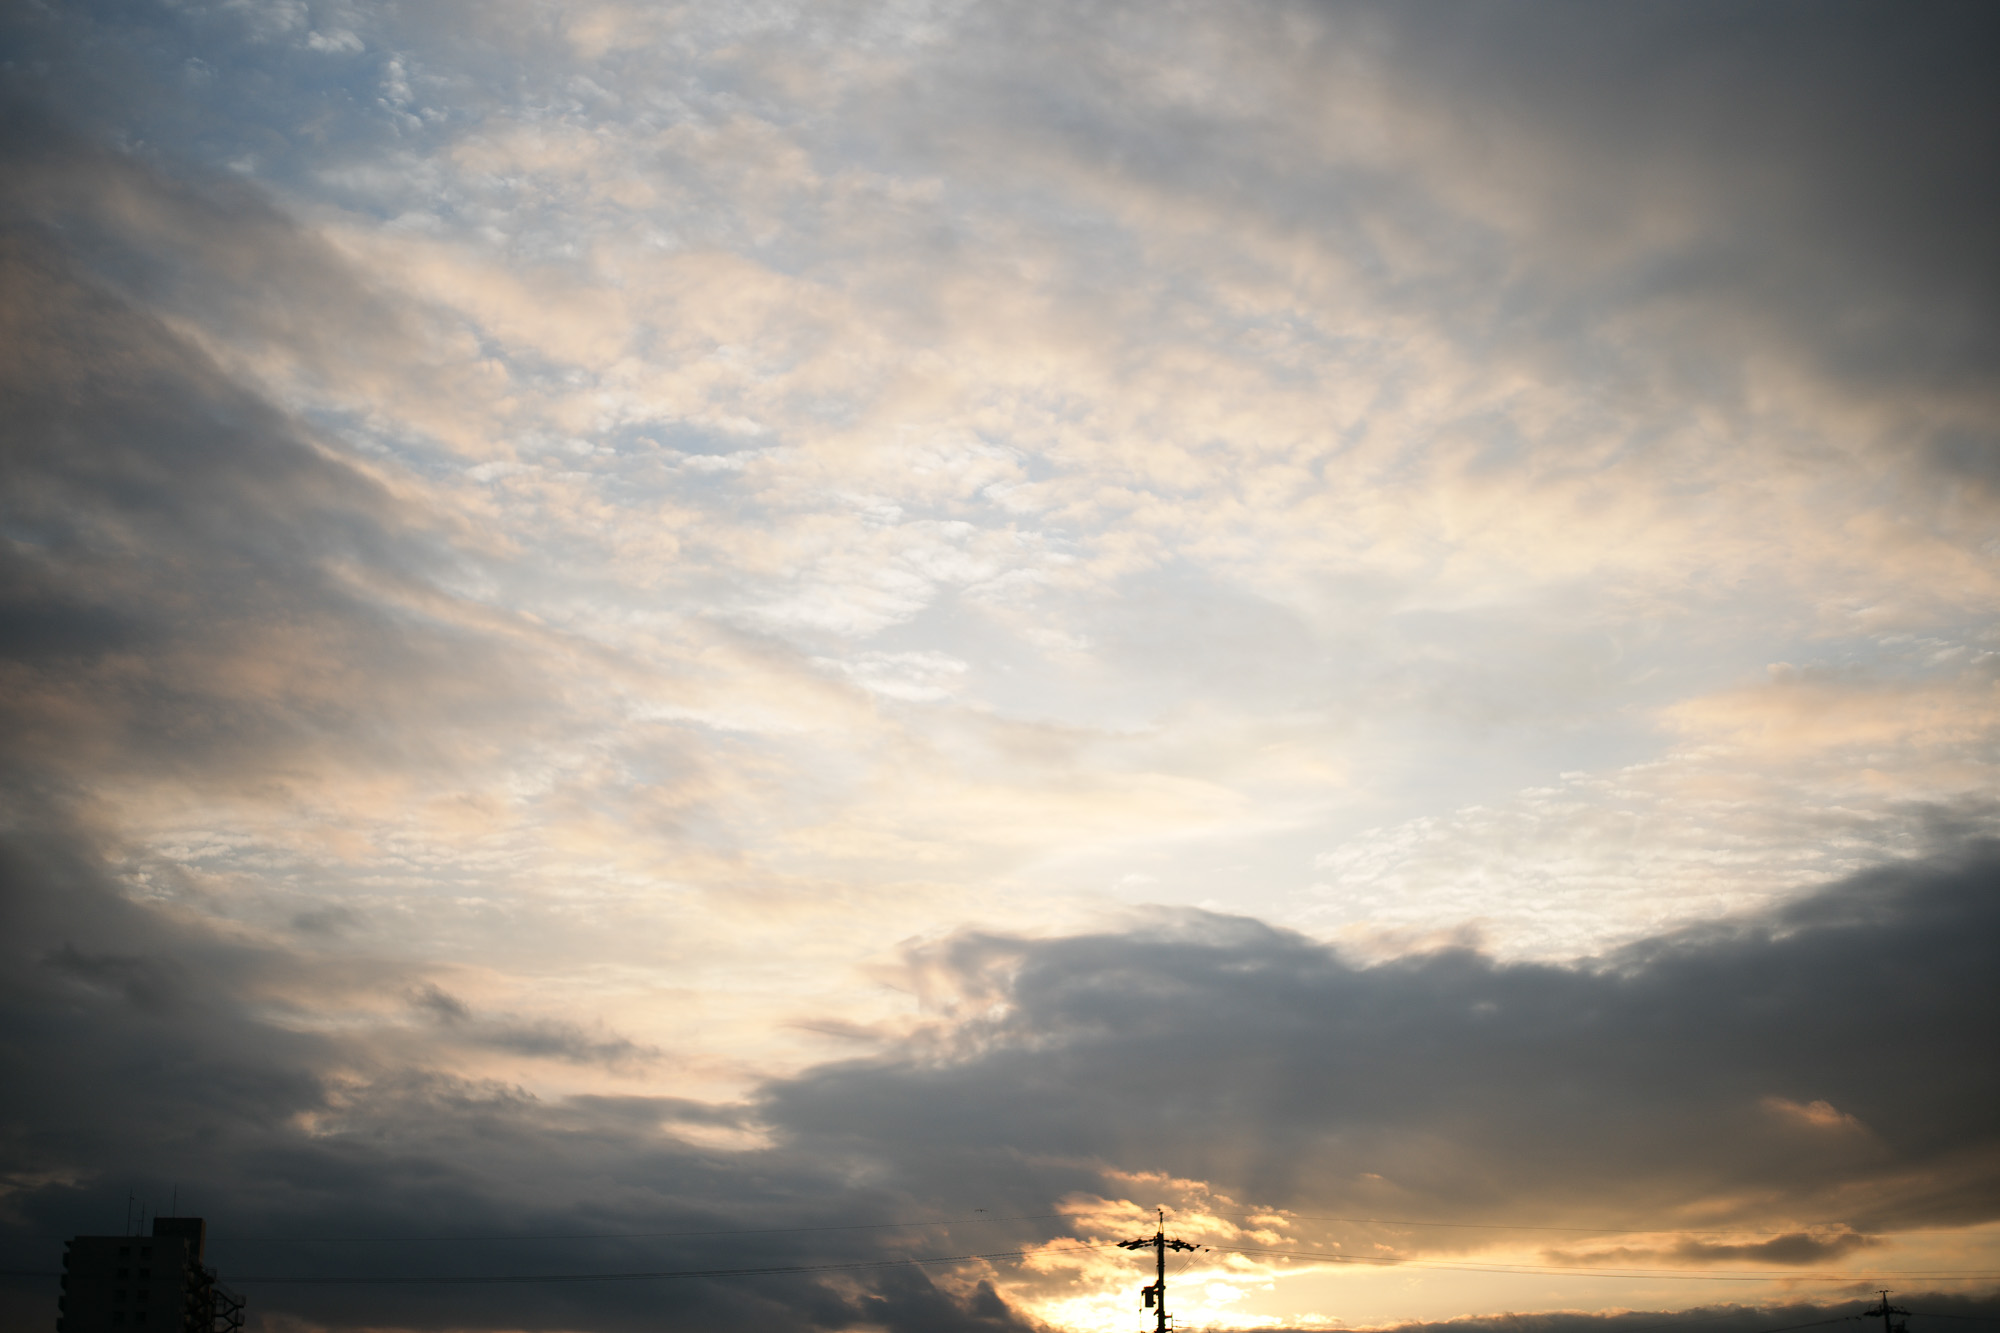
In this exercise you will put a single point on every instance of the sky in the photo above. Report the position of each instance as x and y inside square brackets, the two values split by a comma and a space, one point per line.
[671, 639]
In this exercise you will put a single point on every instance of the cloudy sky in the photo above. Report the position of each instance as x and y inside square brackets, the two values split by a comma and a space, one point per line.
[650, 638]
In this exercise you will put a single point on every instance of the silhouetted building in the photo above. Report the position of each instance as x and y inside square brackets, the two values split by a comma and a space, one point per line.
[155, 1283]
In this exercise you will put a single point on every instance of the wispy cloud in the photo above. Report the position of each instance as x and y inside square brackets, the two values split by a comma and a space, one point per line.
[566, 569]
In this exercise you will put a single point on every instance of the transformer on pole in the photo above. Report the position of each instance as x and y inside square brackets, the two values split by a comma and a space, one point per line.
[1156, 1295]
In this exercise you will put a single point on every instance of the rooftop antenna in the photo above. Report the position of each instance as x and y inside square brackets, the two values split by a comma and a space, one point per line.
[1156, 1295]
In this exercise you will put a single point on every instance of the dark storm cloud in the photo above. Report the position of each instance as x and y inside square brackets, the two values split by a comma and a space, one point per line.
[1794, 1250]
[1829, 175]
[198, 244]
[1657, 199]
[1827, 1061]
[1938, 1314]
[174, 598]
[1835, 1057]
[1842, 161]
[144, 1051]
[188, 584]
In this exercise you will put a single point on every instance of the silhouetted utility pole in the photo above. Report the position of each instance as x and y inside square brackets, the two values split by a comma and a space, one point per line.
[1159, 1242]
[1885, 1310]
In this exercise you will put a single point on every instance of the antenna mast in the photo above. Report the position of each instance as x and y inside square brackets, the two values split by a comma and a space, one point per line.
[1156, 1295]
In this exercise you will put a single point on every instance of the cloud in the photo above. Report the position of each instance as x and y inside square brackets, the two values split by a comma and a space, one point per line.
[447, 1007]
[332, 920]
[287, 1128]
[192, 585]
[1685, 1088]
[541, 1039]
[1822, 145]
[1449, 1085]
[543, 547]
[1795, 1249]
[1819, 1114]
[1722, 1318]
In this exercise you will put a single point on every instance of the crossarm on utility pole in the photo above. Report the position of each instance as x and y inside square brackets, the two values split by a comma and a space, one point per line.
[1885, 1310]
[1159, 1242]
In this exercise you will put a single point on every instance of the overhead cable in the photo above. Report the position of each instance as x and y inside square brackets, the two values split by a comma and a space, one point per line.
[500, 1279]
[1584, 1270]
[622, 1235]
[1281, 1216]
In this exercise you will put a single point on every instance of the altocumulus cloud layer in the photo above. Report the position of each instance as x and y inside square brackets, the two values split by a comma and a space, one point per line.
[629, 620]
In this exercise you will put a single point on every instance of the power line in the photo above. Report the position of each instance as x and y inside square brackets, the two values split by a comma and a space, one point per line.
[1811, 1325]
[226, 1239]
[1275, 1215]
[621, 1235]
[506, 1279]
[1468, 1226]
[1622, 1271]
[1520, 1226]
[1722, 1314]
[1981, 1318]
